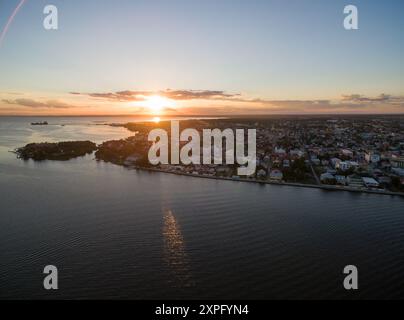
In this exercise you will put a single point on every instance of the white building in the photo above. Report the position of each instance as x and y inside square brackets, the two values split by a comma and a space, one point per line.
[370, 182]
[346, 165]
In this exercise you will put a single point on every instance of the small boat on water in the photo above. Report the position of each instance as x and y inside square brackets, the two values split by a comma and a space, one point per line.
[45, 123]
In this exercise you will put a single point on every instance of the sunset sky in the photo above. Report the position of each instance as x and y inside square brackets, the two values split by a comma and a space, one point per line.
[205, 57]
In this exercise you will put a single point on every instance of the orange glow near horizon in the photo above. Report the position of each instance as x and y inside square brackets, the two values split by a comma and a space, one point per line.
[157, 104]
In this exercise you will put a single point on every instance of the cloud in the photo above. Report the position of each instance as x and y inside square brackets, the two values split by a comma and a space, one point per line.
[379, 104]
[198, 95]
[238, 103]
[188, 95]
[115, 97]
[350, 100]
[182, 95]
[51, 104]
[383, 98]
[12, 93]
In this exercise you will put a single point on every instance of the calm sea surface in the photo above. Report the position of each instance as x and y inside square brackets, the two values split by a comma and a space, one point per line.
[119, 233]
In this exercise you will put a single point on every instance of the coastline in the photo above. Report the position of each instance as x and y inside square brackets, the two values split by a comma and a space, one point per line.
[287, 184]
[115, 151]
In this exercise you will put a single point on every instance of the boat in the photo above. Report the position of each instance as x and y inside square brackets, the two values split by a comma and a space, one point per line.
[45, 123]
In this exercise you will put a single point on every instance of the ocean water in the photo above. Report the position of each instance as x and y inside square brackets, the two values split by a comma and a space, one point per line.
[126, 234]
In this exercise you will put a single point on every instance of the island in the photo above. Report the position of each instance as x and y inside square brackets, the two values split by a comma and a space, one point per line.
[56, 151]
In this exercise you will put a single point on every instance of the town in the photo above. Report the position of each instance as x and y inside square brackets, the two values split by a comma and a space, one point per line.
[359, 152]
[212, 152]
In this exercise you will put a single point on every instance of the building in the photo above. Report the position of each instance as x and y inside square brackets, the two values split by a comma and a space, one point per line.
[370, 182]
[280, 151]
[355, 181]
[397, 162]
[314, 160]
[398, 171]
[276, 175]
[327, 178]
[372, 157]
[346, 165]
[340, 180]
[296, 153]
[384, 180]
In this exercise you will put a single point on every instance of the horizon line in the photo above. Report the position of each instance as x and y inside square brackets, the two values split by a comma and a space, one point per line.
[204, 115]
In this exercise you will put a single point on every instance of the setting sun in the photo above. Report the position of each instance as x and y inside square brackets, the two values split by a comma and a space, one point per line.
[157, 104]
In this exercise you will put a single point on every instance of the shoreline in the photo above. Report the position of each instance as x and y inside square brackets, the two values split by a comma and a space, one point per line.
[287, 184]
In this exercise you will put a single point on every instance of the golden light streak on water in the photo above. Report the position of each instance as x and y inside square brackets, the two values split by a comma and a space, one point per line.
[175, 252]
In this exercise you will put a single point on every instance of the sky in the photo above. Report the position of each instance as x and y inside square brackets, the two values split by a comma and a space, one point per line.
[201, 57]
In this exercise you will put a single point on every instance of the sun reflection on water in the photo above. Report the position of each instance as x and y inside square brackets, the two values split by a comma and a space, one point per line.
[174, 251]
